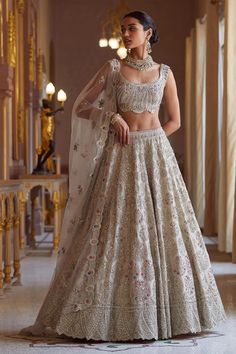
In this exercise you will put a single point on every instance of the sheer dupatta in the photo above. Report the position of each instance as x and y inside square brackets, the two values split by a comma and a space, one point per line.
[91, 115]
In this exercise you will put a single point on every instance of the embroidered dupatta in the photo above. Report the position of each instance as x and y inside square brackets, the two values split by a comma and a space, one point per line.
[91, 115]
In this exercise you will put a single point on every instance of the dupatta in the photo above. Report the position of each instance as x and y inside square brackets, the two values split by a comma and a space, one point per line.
[91, 115]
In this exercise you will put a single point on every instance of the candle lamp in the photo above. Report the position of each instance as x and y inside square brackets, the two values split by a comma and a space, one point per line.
[61, 97]
[50, 90]
[45, 164]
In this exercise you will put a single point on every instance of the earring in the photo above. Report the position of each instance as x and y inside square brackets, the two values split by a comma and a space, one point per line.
[149, 48]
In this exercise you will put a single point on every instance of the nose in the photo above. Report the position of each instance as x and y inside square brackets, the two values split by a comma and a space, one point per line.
[125, 33]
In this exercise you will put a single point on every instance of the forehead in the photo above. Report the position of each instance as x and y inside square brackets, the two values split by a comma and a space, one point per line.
[130, 21]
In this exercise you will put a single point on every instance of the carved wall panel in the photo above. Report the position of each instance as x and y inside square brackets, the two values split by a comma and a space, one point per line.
[21, 84]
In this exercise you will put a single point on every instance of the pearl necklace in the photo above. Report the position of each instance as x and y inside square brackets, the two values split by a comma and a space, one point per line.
[139, 64]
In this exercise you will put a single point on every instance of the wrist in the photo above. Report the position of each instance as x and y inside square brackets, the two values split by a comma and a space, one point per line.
[116, 117]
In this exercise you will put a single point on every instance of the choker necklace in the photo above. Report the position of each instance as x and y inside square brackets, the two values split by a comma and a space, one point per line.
[139, 64]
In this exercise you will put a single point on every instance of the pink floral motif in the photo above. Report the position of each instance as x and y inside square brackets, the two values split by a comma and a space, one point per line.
[88, 301]
[91, 257]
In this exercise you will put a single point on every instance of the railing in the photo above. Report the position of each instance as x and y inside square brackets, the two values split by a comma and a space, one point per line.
[11, 233]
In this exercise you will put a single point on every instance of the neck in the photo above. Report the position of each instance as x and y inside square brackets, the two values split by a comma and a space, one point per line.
[139, 53]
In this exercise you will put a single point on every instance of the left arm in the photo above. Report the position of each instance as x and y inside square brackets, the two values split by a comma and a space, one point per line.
[171, 103]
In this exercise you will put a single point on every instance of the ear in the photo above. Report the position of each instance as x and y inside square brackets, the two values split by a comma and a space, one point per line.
[149, 33]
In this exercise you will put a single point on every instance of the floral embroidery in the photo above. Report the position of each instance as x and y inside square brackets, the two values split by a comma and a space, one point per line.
[101, 80]
[84, 154]
[75, 148]
[101, 103]
[80, 189]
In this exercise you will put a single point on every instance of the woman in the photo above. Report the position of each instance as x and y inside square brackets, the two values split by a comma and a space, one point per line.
[132, 262]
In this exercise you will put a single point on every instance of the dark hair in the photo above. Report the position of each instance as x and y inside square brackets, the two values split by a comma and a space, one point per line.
[147, 22]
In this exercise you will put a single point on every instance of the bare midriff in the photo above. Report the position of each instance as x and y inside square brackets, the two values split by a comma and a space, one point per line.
[141, 121]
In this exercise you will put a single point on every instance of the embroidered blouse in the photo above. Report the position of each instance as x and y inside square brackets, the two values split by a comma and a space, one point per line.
[141, 97]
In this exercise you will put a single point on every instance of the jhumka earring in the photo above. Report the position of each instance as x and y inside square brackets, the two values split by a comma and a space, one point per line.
[149, 48]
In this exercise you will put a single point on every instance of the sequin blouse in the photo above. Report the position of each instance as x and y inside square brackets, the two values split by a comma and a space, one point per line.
[142, 97]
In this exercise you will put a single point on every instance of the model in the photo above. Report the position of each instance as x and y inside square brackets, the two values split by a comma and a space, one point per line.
[132, 262]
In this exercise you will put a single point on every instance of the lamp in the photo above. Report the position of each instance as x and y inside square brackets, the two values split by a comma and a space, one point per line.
[61, 97]
[111, 29]
[103, 42]
[121, 52]
[50, 90]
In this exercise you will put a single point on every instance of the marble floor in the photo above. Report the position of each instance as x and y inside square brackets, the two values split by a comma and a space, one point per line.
[20, 305]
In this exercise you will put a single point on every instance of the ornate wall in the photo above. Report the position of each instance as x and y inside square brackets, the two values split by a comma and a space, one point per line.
[22, 71]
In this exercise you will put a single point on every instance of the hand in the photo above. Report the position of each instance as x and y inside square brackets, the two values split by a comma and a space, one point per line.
[122, 131]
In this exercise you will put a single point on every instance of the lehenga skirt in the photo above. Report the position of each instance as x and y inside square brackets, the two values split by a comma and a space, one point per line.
[138, 267]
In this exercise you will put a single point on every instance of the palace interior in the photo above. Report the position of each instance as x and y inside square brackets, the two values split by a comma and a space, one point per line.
[59, 42]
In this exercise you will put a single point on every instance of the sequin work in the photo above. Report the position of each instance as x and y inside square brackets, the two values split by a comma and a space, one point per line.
[139, 98]
[139, 268]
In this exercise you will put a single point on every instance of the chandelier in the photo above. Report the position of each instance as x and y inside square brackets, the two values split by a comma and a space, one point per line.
[111, 36]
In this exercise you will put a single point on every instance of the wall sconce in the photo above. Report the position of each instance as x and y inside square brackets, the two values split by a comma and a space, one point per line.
[45, 163]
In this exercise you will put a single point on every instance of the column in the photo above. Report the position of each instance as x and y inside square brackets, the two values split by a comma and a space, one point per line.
[7, 253]
[16, 245]
[23, 200]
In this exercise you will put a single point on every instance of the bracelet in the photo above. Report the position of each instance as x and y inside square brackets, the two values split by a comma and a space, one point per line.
[115, 118]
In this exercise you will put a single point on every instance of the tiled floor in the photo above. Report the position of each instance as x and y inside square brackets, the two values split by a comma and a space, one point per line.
[20, 305]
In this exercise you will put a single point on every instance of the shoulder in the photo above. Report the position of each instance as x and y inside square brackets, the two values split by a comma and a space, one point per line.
[166, 70]
[114, 64]
[167, 74]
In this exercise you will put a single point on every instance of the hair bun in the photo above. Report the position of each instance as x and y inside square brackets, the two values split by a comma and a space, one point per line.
[155, 38]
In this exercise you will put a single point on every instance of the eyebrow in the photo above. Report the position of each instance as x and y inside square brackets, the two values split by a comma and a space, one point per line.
[130, 24]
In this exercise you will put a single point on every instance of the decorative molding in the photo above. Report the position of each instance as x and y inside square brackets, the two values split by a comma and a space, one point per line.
[11, 39]
[40, 70]
[20, 132]
[1, 35]
[31, 57]
[20, 6]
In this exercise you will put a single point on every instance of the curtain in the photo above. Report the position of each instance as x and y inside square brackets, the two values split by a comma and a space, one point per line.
[226, 209]
[211, 155]
[195, 117]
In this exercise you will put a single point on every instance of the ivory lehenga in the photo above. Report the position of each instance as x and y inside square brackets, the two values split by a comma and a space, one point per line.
[132, 262]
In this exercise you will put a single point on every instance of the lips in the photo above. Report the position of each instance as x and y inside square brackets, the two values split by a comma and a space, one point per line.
[127, 42]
